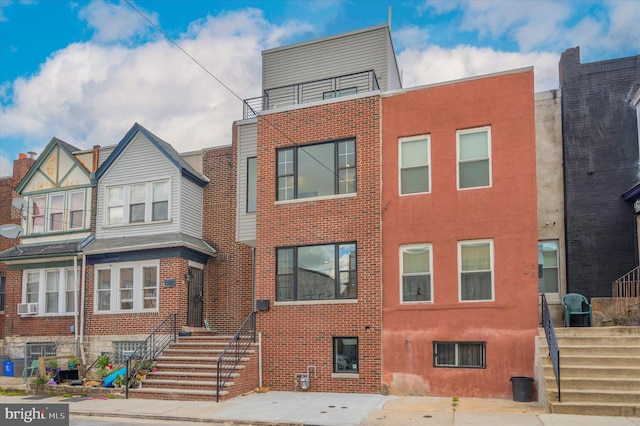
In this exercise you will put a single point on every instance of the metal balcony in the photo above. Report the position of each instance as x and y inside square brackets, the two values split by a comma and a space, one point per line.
[310, 91]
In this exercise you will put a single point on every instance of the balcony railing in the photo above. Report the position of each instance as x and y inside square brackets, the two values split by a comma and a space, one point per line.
[626, 293]
[310, 91]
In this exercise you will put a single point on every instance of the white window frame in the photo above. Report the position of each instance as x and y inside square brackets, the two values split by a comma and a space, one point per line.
[491, 269]
[401, 141]
[42, 214]
[402, 249]
[115, 305]
[458, 160]
[70, 209]
[126, 203]
[51, 212]
[65, 211]
[42, 274]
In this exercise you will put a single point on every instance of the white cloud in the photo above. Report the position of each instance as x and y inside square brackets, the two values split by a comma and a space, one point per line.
[410, 36]
[112, 22]
[435, 64]
[90, 94]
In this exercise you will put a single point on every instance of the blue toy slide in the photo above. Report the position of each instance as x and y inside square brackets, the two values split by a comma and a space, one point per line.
[108, 381]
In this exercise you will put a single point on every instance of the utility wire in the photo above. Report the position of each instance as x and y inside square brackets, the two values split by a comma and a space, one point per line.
[257, 114]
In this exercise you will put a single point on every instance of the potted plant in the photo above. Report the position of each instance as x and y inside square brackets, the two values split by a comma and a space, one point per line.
[101, 363]
[51, 364]
[72, 363]
[120, 381]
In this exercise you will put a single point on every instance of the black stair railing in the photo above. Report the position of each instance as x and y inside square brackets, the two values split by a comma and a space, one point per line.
[146, 353]
[552, 342]
[234, 351]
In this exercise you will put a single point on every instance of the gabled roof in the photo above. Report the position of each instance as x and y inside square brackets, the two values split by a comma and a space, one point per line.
[54, 142]
[165, 148]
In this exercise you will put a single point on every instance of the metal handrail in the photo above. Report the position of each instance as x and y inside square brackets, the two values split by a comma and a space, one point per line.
[626, 292]
[233, 352]
[552, 342]
[164, 333]
[309, 91]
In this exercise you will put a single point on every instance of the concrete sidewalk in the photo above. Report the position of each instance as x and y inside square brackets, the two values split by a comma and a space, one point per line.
[316, 408]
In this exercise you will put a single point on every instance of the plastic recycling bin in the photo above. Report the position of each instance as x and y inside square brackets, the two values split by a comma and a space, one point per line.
[7, 368]
[522, 388]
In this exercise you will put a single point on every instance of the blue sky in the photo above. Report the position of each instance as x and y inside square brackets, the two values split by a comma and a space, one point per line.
[84, 71]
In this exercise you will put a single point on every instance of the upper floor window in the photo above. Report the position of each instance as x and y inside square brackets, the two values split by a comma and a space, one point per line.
[415, 267]
[475, 266]
[474, 158]
[57, 212]
[321, 272]
[252, 180]
[52, 290]
[127, 287]
[414, 165]
[137, 203]
[548, 277]
[317, 170]
[3, 291]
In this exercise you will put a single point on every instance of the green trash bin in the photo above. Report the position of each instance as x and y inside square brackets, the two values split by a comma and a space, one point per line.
[522, 388]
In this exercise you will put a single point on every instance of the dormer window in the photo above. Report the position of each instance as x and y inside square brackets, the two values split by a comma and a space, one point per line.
[137, 203]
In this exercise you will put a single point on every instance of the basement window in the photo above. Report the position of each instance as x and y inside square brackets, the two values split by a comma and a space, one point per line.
[460, 354]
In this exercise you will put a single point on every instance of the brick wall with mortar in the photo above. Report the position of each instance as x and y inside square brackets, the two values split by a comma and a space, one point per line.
[228, 285]
[298, 335]
[600, 145]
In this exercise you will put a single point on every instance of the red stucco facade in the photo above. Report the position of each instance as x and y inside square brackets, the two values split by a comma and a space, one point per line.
[503, 213]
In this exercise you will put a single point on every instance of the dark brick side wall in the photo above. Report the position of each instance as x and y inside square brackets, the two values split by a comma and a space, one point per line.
[600, 147]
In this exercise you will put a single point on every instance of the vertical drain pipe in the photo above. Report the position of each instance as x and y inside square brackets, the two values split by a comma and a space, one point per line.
[260, 360]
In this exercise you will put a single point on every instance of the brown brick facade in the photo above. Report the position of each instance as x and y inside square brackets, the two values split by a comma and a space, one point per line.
[297, 335]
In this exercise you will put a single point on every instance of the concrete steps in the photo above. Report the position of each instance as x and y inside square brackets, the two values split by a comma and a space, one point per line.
[599, 371]
[187, 370]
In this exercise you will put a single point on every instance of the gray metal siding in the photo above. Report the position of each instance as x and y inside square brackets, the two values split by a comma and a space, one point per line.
[190, 208]
[247, 147]
[394, 82]
[354, 52]
[139, 162]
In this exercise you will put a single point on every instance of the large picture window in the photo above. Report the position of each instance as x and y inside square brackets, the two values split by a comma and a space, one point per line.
[56, 212]
[548, 280]
[459, 354]
[316, 170]
[474, 158]
[475, 265]
[321, 272]
[415, 267]
[137, 203]
[127, 287]
[414, 165]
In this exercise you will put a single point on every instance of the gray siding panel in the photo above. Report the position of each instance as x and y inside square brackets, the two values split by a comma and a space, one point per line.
[351, 53]
[139, 162]
[394, 81]
[247, 147]
[190, 207]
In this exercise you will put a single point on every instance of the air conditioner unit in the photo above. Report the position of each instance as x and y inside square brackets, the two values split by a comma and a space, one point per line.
[27, 308]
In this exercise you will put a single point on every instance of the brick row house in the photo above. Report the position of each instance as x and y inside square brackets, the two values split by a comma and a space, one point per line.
[389, 239]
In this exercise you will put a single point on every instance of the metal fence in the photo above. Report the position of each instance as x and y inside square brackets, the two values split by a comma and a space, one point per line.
[23, 355]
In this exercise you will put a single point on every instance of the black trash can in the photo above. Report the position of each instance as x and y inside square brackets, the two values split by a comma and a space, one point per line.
[522, 387]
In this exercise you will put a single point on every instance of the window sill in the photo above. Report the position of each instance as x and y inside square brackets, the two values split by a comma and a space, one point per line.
[124, 225]
[345, 375]
[316, 302]
[322, 198]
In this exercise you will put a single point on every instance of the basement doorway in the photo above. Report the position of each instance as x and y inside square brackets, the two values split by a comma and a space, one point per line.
[194, 310]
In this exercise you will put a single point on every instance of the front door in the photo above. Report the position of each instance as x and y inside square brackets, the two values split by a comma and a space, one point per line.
[194, 311]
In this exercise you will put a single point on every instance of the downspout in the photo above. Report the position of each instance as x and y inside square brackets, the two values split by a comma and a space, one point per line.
[84, 274]
[75, 298]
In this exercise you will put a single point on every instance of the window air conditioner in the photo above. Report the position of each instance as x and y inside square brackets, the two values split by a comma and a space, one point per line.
[27, 308]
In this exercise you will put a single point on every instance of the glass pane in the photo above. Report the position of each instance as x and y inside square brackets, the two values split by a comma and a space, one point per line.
[285, 261]
[116, 215]
[415, 153]
[476, 257]
[345, 352]
[161, 191]
[346, 154]
[470, 355]
[252, 180]
[316, 271]
[415, 260]
[285, 162]
[52, 281]
[284, 287]
[104, 279]
[136, 194]
[474, 174]
[414, 180]
[474, 145]
[76, 219]
[285, 188]
[445, 354]
[126, 288]
[114, 195]
[316, 172]
[476, 286]
[38, 224]
[38, 206]
[347, 181]
[77, 201]
[55, 223]
[160, 210]
[136, 213]
[416, 288]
